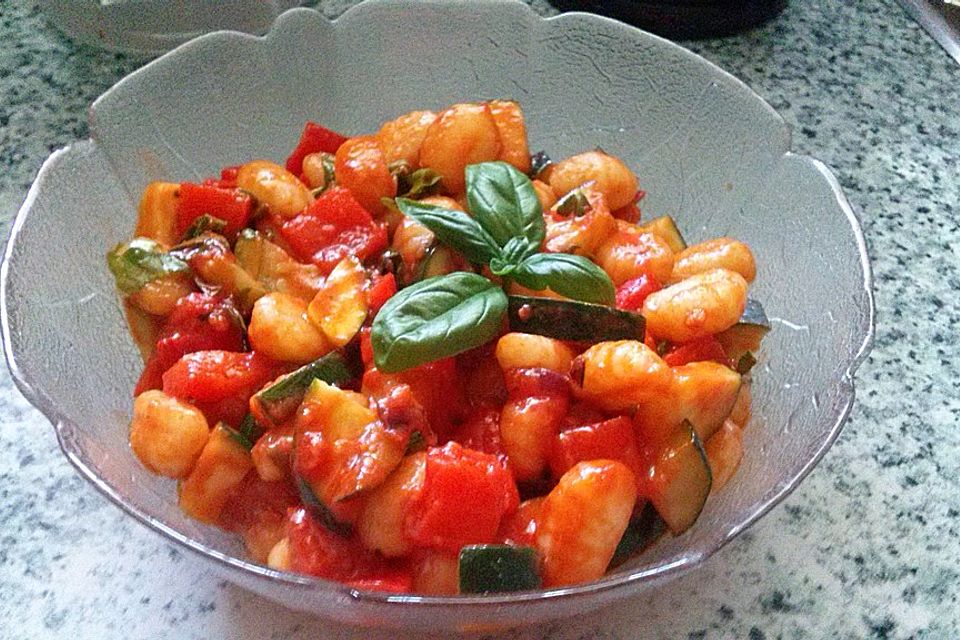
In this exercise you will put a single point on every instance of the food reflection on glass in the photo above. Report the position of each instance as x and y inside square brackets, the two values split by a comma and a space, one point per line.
[425, 361]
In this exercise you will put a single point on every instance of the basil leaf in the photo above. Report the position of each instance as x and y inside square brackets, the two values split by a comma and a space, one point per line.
[569, 275]
[139, 262]
[436, 318]
[504, 202]
[454, 228]
[204, 223]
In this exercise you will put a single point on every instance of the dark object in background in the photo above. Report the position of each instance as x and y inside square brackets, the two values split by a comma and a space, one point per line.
[682, 18]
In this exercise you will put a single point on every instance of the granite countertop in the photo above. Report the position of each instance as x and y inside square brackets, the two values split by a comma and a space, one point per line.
[868, 546]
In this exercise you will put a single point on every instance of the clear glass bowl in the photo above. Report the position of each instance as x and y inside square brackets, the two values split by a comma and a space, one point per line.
[155, 26]
[708, 151]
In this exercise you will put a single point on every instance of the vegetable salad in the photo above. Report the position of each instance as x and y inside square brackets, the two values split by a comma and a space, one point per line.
[426, 361]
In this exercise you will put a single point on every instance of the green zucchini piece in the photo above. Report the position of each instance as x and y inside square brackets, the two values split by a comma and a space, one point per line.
[320, 510]
[686, 480]
[498, 568]
[277, 401]
[746, 335]
[247, 432]
[572, 320]
[438, 261]
[746, 363]
[666, 228]
[643, 530]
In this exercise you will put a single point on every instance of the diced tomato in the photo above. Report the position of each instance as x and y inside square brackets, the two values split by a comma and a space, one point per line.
[481, 431]
[520, 527]
[630, 212]
[435, 385]
[332, 227]
[465, 495]
[230, 205]
[482, 376]
[317, 551]
[700, 350]
[612, 439]
[581, 413]
[314, 139]
[199, 322]
[632, 293]
[381, 291]
[366, 347]
[220, 383]
[227, 179]
[651, 342]
[401, 412]
[393, 578]
[258, 511]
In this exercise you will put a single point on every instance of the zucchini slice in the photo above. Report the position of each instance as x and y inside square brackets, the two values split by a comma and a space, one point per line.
[681, 480]
[572, 320]
[705, 393]
[498, 568]
[320, 511]
[746, 335]
[279, 400]
[643, 530]
[665, 228]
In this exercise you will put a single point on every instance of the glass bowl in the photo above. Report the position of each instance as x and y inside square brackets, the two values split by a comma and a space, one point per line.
[707, 150]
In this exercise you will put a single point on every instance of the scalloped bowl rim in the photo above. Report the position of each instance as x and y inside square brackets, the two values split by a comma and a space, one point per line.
[39, 399]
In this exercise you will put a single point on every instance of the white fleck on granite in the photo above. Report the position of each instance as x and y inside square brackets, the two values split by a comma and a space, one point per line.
[868, 546]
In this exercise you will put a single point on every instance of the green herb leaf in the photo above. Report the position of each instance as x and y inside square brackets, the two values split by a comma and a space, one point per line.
[203, 223]
[454, 228]
[419, 184]
[504, 202]
[141, 261]
[572, 205]
[569, 275]
[517, 249]
[436, 318]
[416, 443]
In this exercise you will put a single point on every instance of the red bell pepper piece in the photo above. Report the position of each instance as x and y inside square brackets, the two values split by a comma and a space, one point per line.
[465, 495]
[700, 350]
[220, 383]
[332, 227]
[199, 322]
[227, 179]
[381, 291]
[230, 205]
[632, 293]
[612, 439]
[314, 139]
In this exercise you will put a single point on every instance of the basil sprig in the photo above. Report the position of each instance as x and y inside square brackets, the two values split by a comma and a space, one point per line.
[141, 261]
[453, 313]
[506, 232]
[436, 318]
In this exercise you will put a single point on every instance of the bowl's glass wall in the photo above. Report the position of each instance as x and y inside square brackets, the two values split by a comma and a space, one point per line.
[706, 149]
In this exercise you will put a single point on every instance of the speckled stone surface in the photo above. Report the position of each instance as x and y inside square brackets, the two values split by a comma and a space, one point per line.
[868, 546]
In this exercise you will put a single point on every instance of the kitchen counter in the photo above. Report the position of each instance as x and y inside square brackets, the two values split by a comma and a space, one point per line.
[868, 546]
